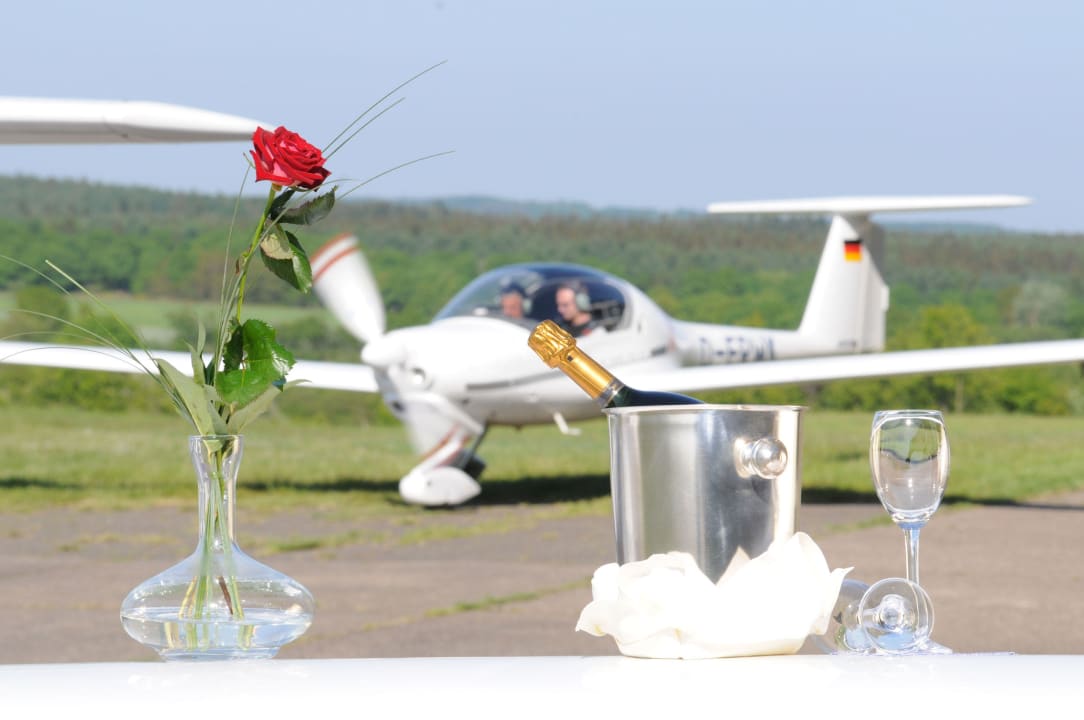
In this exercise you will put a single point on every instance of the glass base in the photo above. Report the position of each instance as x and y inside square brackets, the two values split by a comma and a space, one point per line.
[258, 635]
[274, 610]
[897, 616]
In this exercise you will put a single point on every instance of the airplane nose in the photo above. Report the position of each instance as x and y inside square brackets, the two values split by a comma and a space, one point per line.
[383, 352]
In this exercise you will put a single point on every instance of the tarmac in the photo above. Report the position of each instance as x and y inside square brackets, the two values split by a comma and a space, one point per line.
[511, 579]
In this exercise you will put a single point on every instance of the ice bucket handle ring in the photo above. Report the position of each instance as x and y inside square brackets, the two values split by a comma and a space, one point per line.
[765, 457]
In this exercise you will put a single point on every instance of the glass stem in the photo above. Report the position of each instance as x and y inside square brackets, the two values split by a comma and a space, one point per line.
[910, 535]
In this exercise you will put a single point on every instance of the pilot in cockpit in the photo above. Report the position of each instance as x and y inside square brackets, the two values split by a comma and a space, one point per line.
[574, 307]
[513, 301]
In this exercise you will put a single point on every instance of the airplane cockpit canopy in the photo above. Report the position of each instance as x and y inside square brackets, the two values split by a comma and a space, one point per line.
[537, 284]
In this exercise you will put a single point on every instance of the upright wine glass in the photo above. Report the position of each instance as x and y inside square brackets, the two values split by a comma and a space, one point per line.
[909, 460]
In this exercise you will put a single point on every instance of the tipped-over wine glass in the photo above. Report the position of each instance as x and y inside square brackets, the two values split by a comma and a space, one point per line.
[893, 616]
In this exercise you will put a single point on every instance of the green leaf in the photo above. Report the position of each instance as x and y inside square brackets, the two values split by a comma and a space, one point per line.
[254, 362]
[308, 213]
[193, 400]
[199, 370]
[275, 244]
[254, 409]
[278, 206]
[284, 256]
[261, 404]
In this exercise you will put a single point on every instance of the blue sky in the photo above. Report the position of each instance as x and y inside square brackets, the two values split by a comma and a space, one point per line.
[662, 105]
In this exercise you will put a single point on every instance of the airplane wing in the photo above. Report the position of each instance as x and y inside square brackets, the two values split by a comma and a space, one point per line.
[46, 121]
[839, 367]
[354, 377]
[867, 205]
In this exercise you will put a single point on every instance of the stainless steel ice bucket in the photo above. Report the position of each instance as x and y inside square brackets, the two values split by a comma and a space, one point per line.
[704, 479]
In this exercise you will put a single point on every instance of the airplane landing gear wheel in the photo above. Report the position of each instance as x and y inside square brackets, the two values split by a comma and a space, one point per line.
[438, 486]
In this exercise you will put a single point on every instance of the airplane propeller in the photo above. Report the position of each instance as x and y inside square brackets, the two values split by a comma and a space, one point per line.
[345, 285]
[441, 432]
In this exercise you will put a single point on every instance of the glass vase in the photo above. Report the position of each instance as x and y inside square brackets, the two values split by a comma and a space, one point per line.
[218, 603]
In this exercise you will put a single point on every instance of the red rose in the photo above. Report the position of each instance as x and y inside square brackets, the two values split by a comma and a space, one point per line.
[285, 158]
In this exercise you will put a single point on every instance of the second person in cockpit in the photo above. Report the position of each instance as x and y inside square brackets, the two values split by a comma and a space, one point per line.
[574, 307]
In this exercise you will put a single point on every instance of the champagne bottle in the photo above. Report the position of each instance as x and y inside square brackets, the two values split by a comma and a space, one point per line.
[558, 349]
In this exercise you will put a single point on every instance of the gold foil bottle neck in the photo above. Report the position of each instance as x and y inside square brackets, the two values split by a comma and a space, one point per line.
[558, 350]
[550, 342]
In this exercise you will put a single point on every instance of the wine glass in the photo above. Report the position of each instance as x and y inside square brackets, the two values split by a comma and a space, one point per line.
[909, 459]
[896, 617]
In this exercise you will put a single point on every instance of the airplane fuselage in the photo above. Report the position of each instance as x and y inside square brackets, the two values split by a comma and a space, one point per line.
[481, 365]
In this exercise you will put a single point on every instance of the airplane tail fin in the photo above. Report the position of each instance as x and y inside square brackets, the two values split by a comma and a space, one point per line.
[849, 298]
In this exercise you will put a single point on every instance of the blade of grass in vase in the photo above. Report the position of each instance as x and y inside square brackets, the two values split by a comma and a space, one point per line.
[332, 150]
[363, 183]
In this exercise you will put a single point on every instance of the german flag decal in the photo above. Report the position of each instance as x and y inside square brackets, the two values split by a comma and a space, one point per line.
[852, 250]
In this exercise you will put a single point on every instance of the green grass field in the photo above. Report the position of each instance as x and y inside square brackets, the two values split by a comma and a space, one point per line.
[51, 457]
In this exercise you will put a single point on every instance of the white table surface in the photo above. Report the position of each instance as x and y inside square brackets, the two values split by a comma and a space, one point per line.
[1029, 686]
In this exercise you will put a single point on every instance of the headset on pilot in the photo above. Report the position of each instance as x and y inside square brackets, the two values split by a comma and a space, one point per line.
[574, 309]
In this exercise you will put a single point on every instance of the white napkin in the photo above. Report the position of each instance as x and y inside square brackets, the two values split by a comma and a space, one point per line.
[665, 607]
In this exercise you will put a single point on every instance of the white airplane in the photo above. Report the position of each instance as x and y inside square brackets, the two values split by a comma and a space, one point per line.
[470, 368]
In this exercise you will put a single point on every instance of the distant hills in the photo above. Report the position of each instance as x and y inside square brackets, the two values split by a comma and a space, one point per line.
[16, 192]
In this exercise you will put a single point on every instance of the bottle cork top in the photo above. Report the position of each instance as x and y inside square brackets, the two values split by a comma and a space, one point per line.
[550, 342]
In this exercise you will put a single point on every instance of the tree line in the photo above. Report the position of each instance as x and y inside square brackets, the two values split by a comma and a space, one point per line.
[950, 284]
